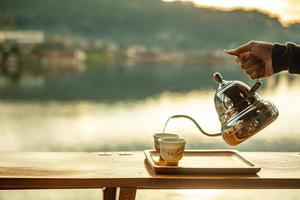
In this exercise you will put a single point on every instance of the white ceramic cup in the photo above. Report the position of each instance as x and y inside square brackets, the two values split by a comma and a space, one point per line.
[172, 149]
[157, 136]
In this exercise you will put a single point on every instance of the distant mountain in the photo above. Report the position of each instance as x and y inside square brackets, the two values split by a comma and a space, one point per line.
[175, 25]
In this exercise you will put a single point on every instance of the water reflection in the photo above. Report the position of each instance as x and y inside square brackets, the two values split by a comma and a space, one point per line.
[207, 194]
[128, 125]
[94, 126]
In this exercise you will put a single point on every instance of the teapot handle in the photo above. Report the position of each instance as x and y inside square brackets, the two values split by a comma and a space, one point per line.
[197, 125]
[256, 86]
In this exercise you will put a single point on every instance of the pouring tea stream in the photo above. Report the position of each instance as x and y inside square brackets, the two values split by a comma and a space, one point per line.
[242, 112]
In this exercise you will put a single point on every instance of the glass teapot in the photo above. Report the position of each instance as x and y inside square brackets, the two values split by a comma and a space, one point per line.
[242, 112]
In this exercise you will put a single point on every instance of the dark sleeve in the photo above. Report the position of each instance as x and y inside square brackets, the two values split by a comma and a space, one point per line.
[286, 57]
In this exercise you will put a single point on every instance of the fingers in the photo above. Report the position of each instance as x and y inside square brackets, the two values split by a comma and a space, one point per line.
[254, 58]
[255, 67]
[257, 74]
[243, 57]
[242, 49]
[256, 70]
[250, 63]
[252, 66]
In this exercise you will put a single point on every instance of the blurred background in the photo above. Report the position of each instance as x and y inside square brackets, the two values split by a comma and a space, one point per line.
[104, 75]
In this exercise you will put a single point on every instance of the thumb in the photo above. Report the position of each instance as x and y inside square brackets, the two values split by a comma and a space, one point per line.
[242, 49]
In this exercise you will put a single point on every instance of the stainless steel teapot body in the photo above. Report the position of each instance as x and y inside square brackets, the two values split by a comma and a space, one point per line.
[242, 112]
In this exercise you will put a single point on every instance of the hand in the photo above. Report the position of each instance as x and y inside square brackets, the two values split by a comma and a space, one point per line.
[255, 58]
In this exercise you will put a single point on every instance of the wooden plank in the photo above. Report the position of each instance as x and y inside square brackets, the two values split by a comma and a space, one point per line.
[62, 170]
[156, 183]
[109, 193]
[127, 193]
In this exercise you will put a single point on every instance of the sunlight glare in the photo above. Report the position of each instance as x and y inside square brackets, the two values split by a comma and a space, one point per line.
[198, 194]
[288, 11]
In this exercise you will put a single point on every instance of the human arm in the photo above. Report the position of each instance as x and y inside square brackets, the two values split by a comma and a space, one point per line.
[263, 59]
[286, 57]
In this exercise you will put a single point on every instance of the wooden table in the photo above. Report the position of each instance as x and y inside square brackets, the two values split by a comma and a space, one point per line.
[128, 172]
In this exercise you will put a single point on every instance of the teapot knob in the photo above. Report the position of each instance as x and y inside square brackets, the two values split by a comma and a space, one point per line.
[218, 77]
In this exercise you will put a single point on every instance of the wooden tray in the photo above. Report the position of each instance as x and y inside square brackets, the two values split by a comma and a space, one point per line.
[205, 162]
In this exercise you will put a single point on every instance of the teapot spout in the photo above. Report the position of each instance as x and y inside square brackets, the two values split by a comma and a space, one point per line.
[196, 124]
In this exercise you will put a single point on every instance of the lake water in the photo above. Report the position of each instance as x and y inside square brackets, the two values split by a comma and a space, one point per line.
[120, 109]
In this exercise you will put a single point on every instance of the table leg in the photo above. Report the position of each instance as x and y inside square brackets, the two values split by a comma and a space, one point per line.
[127, 193]
[109, 193]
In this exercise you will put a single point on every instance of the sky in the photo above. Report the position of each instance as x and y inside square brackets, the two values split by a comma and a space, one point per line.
[287, 11]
